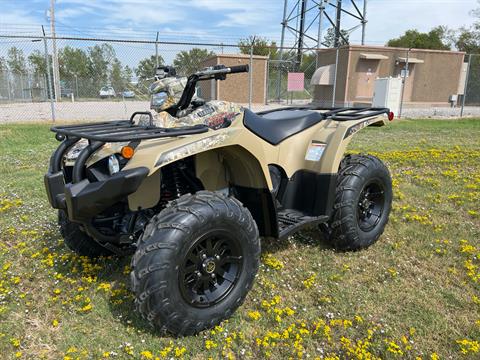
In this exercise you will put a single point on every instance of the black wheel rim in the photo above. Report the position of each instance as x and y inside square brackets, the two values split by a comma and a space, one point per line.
[211, 269]
[371, 204]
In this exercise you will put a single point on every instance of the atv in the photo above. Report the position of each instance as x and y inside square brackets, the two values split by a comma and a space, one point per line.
[192, 202]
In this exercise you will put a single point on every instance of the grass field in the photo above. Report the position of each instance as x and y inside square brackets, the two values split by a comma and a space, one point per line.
[416, 293]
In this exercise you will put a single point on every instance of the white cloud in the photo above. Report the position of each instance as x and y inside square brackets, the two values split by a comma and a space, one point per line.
[257, 22]
[388, 19]
[70, 13]
[19, 16]
[224, 5]
[227, 19]
[128, 12]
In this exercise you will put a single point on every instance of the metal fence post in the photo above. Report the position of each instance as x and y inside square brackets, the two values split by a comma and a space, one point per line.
[404, 81]
[267, 79]
[76, 86]
[49, 79]
[335, 79]
[250, 76]
[8, 86]
[466, 84]
[156, 52]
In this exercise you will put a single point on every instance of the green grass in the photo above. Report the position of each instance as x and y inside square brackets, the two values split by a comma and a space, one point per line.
[414, 293]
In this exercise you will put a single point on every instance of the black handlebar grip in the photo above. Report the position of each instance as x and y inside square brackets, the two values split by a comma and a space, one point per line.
[239, 69]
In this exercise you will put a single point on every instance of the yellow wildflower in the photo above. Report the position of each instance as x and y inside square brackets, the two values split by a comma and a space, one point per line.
[309, 282]
[468, 346]
[272, 262]
[254, 315]
[146, 354]
[86, 308]
[209, 344]
[179, 352]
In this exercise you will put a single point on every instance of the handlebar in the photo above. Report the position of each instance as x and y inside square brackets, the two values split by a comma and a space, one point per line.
[221, 70]
[217, 72]
[238, 69]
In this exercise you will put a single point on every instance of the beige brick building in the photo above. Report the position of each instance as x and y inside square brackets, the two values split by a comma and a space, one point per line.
[433, 75]
[236, 87]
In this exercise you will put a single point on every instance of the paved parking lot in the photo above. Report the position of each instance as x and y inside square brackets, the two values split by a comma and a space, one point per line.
[110, 110]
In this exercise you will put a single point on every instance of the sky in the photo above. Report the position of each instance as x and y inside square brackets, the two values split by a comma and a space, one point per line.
[220, 20]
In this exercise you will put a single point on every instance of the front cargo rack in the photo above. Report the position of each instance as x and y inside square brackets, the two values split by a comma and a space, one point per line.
[124, 130]
[338, 113]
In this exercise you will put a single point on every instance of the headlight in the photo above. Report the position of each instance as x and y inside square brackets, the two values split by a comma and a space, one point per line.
[158, 99]
[113, 164]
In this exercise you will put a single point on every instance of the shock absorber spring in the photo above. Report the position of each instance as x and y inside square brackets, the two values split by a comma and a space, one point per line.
[173, 184]
[180, 185]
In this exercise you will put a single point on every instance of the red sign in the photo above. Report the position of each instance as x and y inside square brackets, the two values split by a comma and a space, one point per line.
[296, 81]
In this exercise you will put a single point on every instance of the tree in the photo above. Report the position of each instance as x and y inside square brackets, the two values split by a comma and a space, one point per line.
[147, 67]
[3, 64]
[127, 73]
[3, 78]
[73, 62]
[188, 62]
[16, 61]
[117, 79]
[37, 63]
[329, 39]
[468, 40]
[261, 46]
[99, 59]
[437, 39]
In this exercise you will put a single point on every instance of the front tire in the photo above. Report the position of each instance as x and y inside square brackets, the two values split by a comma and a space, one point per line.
[77, 240]
[363, 201]
[195, 263]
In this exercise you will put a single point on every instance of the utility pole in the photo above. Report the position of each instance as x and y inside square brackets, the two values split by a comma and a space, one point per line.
[56, 72]
[364, 21]
[49, 81]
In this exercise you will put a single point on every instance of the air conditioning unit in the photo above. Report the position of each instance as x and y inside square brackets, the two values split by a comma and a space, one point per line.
[388, 93]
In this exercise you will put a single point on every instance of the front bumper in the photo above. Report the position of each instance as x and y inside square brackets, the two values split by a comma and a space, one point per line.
[84, 199]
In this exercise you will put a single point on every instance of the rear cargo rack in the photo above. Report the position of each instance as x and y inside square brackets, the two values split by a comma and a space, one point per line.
[339, 113]
[346, 114]
[123, 131]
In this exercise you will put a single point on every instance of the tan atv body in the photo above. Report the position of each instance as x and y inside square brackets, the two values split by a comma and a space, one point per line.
[192, 201]
[234, 156]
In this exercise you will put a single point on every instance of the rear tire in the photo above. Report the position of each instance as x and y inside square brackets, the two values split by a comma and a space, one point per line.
[362, 204]
[77, 240]
[195, 263]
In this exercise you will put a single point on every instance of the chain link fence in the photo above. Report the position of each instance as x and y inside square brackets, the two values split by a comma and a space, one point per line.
[102, 79]
[471, 99]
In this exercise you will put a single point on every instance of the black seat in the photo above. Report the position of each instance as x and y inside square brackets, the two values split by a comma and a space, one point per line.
[276, 126]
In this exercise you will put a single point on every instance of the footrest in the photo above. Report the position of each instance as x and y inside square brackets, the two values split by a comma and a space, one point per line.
[290, 221]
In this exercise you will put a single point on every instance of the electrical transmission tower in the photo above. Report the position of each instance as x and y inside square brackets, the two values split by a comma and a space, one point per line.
[302, 17]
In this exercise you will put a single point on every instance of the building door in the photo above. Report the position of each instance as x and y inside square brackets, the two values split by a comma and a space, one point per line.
[367, 70]
[399, 68]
